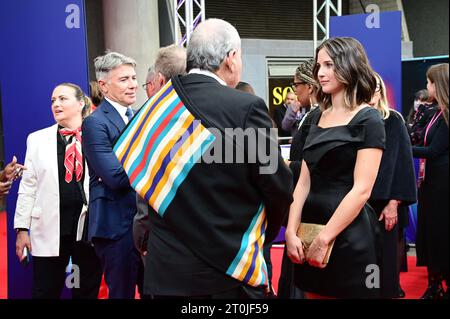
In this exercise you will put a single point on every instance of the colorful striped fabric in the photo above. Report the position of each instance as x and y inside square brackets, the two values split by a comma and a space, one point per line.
[249, 265]
[160, 146]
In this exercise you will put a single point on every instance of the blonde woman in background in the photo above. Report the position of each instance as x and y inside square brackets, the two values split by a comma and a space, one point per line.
[393, 192]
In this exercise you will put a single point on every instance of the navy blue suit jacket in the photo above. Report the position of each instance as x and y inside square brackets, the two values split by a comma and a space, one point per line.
[112, 201]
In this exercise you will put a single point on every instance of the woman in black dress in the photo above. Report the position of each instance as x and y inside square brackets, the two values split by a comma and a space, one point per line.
[432, 240]
[343, 147]
[393, 192]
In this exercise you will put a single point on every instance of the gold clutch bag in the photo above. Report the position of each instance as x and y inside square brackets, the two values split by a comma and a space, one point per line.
[307, 232]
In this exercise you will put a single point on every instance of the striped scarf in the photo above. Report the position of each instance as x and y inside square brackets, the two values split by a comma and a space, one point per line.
[158, 149]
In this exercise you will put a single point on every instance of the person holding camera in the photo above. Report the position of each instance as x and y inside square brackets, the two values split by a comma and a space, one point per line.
[8, 175]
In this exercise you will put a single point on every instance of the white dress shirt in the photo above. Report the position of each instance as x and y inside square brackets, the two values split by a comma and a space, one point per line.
[120, 108]
[208, 73]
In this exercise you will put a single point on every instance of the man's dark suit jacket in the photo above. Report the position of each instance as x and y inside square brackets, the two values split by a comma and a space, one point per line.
[278, 116]
[112, 201]
[183, 257]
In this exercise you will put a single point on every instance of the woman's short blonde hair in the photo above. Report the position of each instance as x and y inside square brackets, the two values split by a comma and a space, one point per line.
[383, 105]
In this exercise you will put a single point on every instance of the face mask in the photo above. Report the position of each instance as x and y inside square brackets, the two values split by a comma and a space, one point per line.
[416, 105]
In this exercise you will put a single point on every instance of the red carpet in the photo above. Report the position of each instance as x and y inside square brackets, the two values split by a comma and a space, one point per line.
[413, 282]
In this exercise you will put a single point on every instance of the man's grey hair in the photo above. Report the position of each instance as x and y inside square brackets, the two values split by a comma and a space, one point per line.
[151, 73]
[108, 62]
[171, 61]
[210, 44]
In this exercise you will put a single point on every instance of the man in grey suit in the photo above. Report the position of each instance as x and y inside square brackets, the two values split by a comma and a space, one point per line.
[170, 61]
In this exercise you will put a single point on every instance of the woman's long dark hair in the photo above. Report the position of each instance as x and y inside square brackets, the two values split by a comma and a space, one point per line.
[352, 69]
[438, 74]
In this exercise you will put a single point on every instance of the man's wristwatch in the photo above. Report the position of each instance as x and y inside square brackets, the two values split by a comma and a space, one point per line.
[20, 229]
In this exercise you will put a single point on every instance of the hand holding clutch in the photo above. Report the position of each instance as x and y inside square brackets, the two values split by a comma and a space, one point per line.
[307, 233]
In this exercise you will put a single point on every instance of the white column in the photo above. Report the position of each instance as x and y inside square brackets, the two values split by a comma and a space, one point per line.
[132, 28]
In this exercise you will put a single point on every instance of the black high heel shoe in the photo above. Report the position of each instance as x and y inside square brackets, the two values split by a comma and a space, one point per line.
[433, 292]
[401, 292]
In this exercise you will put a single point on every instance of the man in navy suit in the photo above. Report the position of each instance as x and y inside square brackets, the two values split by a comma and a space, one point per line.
[112, 201]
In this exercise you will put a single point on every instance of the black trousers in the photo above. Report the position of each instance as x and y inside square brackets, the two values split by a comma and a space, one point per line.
[49, 275]
[390, 276]
[286, 285]
[266, 253]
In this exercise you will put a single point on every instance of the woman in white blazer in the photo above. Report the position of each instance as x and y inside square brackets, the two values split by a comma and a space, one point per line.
[51, 195]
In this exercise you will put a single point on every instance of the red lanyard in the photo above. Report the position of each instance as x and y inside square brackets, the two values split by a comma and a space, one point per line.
[433, 120]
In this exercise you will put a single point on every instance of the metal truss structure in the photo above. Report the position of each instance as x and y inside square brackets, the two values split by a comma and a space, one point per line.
[324, 12]
[194, 13]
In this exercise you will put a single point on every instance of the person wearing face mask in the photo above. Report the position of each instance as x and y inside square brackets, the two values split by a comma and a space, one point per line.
[52, 193]
[421, 97]
[420, 116]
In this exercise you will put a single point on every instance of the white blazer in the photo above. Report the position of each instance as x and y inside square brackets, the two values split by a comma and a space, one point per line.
[37, 206]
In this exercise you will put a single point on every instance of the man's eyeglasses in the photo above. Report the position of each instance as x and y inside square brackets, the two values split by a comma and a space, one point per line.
[295, 84]
[144, 86]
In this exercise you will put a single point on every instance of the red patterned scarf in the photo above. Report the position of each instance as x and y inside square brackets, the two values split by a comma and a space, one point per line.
[73, 159]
